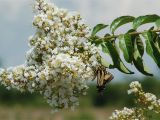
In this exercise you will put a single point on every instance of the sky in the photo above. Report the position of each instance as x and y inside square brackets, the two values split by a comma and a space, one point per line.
[16, 23]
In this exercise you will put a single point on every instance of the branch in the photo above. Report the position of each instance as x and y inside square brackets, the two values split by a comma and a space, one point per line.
[131, 33]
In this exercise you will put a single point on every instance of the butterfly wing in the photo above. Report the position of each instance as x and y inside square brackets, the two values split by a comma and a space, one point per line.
[100, 77]
[103, 77]
[107, 78]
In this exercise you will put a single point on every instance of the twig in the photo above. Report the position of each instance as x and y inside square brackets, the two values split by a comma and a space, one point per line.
[131, 33]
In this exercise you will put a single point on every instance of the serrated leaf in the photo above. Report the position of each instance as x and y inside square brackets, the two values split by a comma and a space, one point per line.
[116, 59]
[120, 21]
[151, 48]
[144, 19]
[97, 28]
[125, 44]
[137, 59]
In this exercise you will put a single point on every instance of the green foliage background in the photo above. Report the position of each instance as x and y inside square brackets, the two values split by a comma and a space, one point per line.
[115, 96]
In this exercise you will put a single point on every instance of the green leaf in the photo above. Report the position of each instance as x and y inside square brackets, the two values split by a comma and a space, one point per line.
[125, 44]
[120, 21]
[144, 19]
[105, 63]
[104, 48]
[158, 41]
[140, 46]
[137, 59]
[158, 23]
[95, 40]
[107, 35]
[139, 42]
[138, 62]
[151, 48]
[106, 51]
[116, 59]
[97, 28]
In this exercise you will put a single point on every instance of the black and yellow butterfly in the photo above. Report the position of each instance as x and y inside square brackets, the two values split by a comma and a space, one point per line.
[103, 77]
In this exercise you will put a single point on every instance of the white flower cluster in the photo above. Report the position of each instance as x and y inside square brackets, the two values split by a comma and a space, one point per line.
[134, 87]
[148, 100]
[61, 60]
[127, 114]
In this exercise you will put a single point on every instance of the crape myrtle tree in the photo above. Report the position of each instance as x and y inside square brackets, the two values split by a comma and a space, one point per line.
[64, 53]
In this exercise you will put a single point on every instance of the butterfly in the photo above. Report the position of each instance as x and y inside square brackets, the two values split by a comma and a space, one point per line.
[103, 77]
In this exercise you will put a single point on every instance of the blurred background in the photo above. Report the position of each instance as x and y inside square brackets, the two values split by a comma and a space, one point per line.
[16, 27]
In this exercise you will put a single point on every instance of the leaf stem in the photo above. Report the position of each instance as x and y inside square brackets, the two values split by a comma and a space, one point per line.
[131, 33]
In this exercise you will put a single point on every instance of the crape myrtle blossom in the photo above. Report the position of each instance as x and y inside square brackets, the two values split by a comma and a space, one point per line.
[145, 101]
[128, 114]
[60, 60]
[148, 100]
